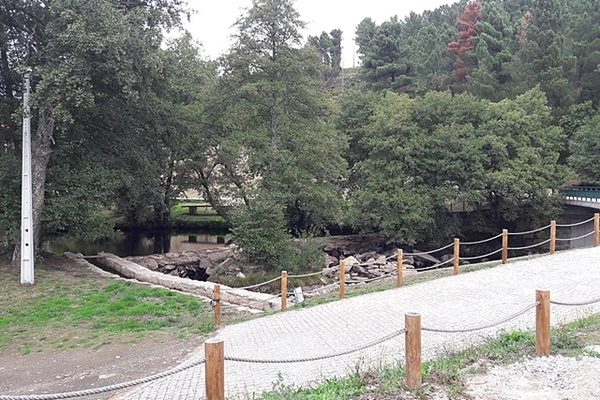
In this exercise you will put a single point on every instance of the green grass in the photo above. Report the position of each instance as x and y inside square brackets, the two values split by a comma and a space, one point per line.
[330, 389]
[449, 371]
[63, 311]
[181, 220]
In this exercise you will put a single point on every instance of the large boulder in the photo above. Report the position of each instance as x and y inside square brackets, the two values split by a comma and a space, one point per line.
[349, 262]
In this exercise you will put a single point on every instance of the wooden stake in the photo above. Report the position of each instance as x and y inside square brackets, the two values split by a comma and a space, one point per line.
[542, 323]
[456, 256]
[217, 303]
[412, 323]
[283, 291]
[552, 237]
[214, 372]
[400, 268]
[597, 229]
[342, 279]
[504, 246]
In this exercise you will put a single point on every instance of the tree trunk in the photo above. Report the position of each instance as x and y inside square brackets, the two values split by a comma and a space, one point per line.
[41, 143]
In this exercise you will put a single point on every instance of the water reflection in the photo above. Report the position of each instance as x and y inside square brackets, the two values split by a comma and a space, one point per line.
[140, 244]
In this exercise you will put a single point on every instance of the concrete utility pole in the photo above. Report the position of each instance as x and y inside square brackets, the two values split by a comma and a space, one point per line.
[27, 246]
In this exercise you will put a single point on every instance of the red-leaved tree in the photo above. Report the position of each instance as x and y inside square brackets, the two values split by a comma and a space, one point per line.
[467, 25]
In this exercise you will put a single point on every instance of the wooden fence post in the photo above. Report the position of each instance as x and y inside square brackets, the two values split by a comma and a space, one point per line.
[456, 256]
[400, 268]
[412, 323]
[597, 229]
[552, 237]
[342, 279]
[283, 290]
[504, 246]
[214, 372]
[217, 304]
[542, 323]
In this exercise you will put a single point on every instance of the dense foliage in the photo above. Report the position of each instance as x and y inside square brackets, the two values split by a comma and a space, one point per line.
[489, 103]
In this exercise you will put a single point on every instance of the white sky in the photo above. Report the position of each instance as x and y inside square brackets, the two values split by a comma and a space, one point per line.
[212, 24]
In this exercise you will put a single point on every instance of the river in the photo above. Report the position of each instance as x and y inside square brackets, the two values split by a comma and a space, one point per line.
[139, 244]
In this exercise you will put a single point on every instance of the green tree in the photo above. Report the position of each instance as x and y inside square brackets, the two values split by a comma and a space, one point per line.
[93, 66]
[277, 141]
[329, 46]
[523, 173]
[384, 198]
[585, 148]
[384, 55]
[546, 59]
[584, 33]
[491, 78]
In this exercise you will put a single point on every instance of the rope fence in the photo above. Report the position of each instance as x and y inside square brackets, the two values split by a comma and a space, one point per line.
[480, 257]
[576, 224]
[481, 327]
[530, 246]
[400, 256]
[576, 304]
[575, 238]
[317, 358]
[482, 241]
[215, 357]
[530, 232]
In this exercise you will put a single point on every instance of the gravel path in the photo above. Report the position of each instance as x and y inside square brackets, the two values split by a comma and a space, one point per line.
[463, 301]
[547, 378]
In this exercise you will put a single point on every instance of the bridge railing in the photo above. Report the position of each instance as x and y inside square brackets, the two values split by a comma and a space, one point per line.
[589, 194]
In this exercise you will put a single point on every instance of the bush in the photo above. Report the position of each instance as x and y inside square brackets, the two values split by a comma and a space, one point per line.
[260, 232]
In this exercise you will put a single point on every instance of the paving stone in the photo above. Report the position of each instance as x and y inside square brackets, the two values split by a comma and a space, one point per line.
[464, 301]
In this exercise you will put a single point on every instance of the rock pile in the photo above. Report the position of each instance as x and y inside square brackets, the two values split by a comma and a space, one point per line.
[366, 266]
[370, 265]
[196, 265]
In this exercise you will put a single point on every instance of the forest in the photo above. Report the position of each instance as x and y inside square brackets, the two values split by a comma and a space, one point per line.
[493, 103]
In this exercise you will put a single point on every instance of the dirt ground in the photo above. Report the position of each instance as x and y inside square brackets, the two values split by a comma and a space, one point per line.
[120, 360]
[79, 369]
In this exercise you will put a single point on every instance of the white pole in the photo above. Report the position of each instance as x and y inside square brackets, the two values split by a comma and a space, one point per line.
[27, 246]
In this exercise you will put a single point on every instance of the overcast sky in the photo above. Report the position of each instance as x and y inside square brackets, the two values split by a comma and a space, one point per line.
[212, 23]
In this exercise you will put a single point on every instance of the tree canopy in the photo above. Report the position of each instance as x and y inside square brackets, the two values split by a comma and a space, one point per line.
[491, 103]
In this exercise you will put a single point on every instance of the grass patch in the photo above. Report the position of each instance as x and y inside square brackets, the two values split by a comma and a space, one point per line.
[330, 389]
[74, 307]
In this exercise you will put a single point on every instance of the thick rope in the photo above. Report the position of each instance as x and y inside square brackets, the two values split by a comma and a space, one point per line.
[529, 247]
[482, 241]
[251, 304]
[528, 232]
[258, 284]
[436, 266]
[105, 389]
[376, 278]
[323, 288]
[309, 275]
[478, 328]
[575, 238]
[316, 358]
[575, 224]
[582, 303]
[478, 257]
[430, 251]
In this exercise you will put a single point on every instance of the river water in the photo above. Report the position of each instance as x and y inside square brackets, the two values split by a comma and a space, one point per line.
[139, 244]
